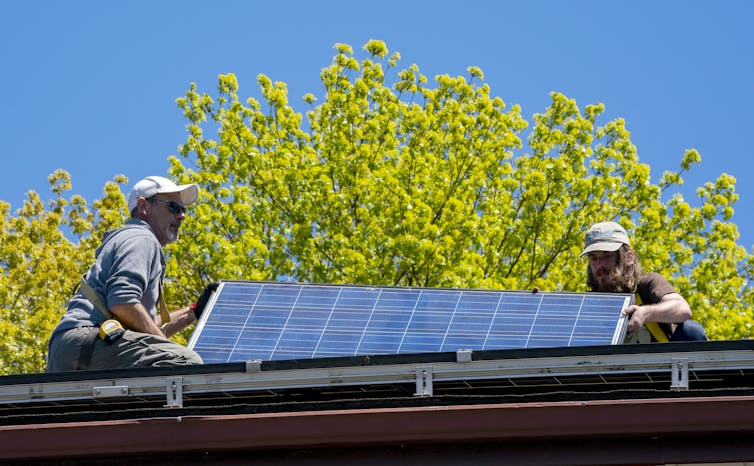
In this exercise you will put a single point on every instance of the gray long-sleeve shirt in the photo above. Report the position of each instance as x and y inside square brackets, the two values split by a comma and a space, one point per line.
[129, 268]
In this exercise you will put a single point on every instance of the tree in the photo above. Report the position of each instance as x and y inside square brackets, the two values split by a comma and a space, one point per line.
[389, 181]
[401, 183]
[41, 265]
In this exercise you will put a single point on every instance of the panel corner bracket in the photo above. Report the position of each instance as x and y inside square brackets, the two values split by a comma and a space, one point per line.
[423, 381]
[463, 355]
[174, 392]
[679, 374]
[254, 365]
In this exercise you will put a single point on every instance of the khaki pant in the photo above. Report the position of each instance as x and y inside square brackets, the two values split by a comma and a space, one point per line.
[81, 349]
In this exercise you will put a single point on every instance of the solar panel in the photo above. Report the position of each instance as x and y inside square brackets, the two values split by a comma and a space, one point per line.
[266, 321]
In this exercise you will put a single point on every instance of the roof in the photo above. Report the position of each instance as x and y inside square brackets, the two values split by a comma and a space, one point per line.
[675, 402]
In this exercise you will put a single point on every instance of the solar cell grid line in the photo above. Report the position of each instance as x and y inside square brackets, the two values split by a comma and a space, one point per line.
[385, 331]
[305, 323]
[371, 316]
[227, 322]
[590, 326]
[578, 319]
[404, 331]
[348, 321]
[558, 318]
[341, 327]
[327, 321]
[285, 331]
[429, 322]
[469, 320]
[247, 320]
[473, 320]
[534, 319]
[512, 321]
[453, 317]
[256, 294]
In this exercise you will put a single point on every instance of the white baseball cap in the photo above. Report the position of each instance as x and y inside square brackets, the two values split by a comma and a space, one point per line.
[604, 236]
[152, 185]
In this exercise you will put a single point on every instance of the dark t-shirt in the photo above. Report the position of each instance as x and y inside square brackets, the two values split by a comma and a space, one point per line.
[650, 289]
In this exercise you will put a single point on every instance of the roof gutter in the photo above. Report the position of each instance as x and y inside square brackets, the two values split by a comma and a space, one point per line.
[691, 416]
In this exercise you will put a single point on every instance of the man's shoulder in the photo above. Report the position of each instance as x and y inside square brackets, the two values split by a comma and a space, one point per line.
[652, 278]
[132, 228]
[653, 286]
[132, 234]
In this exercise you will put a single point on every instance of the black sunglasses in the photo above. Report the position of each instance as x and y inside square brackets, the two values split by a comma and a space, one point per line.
[174, 207]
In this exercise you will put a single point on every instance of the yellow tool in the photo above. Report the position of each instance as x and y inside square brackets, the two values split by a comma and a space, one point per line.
[110, 331]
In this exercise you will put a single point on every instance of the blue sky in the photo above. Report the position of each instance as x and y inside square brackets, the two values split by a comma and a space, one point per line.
[90, 86]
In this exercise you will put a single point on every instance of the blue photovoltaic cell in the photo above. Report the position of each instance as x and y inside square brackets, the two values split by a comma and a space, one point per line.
[271, 321]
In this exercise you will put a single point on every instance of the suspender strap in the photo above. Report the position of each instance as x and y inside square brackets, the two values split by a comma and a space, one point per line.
[164, 313]
[656, 332]
[99, 303]
[95, 298]
[653, 327]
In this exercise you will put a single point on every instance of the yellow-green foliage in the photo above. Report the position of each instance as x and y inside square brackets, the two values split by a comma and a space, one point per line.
[389, 180]
[40, 265]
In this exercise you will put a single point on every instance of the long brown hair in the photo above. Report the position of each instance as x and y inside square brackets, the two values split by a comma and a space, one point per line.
[625, 275]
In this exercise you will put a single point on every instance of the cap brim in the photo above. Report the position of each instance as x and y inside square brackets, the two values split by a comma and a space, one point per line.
[189, 193]
[607, 246]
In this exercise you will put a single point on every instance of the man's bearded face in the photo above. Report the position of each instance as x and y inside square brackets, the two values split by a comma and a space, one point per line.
[604, 265]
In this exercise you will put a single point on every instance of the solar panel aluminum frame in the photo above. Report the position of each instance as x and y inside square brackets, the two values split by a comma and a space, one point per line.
[618, 333]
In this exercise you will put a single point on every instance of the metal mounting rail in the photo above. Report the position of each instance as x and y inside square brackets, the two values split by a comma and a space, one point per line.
[675, 365]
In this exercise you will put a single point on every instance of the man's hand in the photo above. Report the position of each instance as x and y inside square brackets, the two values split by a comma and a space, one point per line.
[671, 309]
[636, 317]
[198, 307]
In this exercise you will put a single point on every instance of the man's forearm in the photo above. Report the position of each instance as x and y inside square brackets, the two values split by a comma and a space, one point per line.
[135, 317]
[179, 320]
[672, 309]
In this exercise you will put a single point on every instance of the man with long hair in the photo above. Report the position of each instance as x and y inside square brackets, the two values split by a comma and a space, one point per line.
[614, 268]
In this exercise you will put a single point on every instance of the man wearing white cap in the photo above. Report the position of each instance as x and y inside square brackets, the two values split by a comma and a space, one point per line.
[660, 313]
[118, 318]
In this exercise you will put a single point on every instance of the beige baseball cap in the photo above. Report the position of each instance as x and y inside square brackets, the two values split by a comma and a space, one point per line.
[604, 236]
[152, 185]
